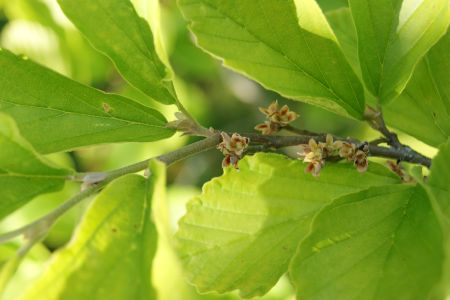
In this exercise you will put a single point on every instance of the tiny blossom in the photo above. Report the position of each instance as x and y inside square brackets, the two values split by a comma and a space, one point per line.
[312, 153]
[270, 110]
[277, 118]
[329, 147]
[347, 150]
[314, 168]
[232, 147]
[284, 116]
[360, 161]
[267, 127]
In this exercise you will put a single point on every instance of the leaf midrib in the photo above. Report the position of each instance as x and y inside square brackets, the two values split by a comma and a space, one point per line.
[298, 68]
[110, 117]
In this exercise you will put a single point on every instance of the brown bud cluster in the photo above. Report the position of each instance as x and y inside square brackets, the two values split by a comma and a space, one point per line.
[315, 154]
[232, 148]
[358, 155]
[398, 169]
[276, 118]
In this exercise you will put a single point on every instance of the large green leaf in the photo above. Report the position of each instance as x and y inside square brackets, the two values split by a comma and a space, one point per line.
[111, 254]
[242, 231]
[287, 46]
[114, 28]
[393, 35]
[423, 109]
[383, 243]
[55, 113]
[342, 24]
[23, 174]
[438, 183]
[438, 188]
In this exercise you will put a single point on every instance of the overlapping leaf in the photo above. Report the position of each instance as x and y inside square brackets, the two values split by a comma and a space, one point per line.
[242, 231]
[383, 243]
[438, 188]
[55, 113]
[287, 46]
[114, 28]
[426, 99]
[111, 255]
[23, 174]
[393, 35]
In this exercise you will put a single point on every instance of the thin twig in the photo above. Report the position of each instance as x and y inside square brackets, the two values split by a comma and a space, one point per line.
[403, 153]
[38, 229]
[378, 141]
[300, 131]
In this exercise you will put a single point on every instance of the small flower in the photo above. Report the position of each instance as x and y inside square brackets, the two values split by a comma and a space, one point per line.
[232, 147]
[267, 128]
[347, 150]
[330, 147]
[230, 160]
[270, 110]
[284, 116]
[360, 161]
[276, 118]
[312, 153]
[314, 167]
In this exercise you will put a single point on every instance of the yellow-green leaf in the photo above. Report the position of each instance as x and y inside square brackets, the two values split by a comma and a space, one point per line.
[55, 113]
[287, 46]
[23, 173]
[111, 254]
[114, 28]
[242, 231]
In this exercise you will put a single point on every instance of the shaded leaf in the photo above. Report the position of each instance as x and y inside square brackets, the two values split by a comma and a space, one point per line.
[114, 28]
[242, 231]
[426, 99]
[55, 113]
[393, 35]
[23, 174]
[381, 243]
[111, 254]
[287, 46]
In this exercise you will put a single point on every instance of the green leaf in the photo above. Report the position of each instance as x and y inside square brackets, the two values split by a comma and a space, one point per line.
[426, 99]
[115, 29]
[342, 24]
[287, 46]
[23, 174]
[382, 243]
[439, 179]
[438, 189]
[242, 231]
[55, 113]
[393, 35]
[111, 254]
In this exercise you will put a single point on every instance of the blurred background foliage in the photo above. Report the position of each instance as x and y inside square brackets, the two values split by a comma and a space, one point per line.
[216, 96]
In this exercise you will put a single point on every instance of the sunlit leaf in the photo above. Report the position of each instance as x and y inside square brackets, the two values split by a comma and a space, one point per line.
[287, 46]
[111, 254]
[393, 35]
[242, 231]
[55, 113]
[23, 174]
[438, 188]
[383, 243]
[114, 28]
[426, 99]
